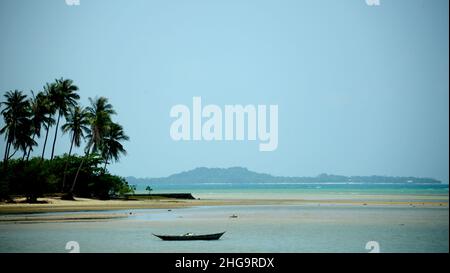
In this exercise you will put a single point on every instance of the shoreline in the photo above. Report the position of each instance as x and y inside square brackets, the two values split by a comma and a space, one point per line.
[52, 204]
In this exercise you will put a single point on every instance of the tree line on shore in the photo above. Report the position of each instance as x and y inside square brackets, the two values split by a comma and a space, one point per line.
[28, 118]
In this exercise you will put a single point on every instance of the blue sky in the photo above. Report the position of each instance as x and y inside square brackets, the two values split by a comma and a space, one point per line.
[361, 90]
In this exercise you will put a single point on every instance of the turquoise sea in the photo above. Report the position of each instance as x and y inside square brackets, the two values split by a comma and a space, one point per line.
[279, 190]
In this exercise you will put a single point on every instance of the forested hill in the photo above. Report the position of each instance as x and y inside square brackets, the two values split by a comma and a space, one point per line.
[243, 175]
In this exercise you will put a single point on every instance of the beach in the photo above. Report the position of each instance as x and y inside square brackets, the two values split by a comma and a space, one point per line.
[254, 222]
[249, 228]
[55, 204]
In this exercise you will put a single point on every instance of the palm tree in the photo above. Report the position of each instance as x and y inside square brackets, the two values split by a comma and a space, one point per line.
[77, 125]
[17, 125]
[24, 138]
[50, 109]
[112, 148]
[40, 116]
[100, 112]
[63, 97]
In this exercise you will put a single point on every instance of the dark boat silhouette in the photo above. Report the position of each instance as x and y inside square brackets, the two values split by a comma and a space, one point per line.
[190, 237]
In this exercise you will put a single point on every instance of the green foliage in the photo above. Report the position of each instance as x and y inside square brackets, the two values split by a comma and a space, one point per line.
[110, 185]
[25, 117]
[4, 190]
[38, 177]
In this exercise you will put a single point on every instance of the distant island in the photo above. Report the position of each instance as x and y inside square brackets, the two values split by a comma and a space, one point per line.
[243, 175]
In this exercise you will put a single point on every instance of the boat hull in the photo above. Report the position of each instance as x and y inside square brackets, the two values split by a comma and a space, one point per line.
[204, 237]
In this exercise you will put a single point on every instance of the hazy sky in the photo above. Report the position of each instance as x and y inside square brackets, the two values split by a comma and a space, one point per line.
[361, 89]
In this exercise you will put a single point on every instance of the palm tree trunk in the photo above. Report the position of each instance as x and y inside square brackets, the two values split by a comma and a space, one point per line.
[9, 149]
[15, 151]
[67, 164]
[76, 175]
[30, 148]
[104, 167]
[106, 162]
[45, 141]
[5, 159]
[28, 155]
[56, 134]
[79, 168]
[71, 145]
[6, 150]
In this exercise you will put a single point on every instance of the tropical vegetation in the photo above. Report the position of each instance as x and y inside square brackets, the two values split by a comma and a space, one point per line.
[28, 118]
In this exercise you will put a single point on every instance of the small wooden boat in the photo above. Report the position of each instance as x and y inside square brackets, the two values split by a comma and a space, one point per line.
[190, 237]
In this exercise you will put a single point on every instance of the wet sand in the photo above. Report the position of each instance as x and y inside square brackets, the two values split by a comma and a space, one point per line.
[258, 228]
[84, 204]
[307, 223]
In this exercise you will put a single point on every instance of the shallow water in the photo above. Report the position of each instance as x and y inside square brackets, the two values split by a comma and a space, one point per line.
[337, 190]
[278, 228]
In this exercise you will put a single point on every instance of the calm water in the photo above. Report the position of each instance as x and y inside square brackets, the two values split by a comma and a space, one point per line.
[229, 190]
[257, 229]
[281, 228]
